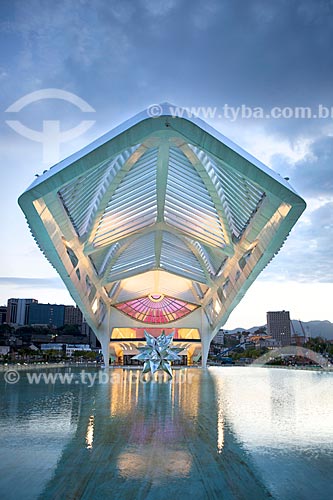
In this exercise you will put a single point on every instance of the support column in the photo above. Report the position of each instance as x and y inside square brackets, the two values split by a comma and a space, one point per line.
[205, 343]
[206, 337]
[105, 343]
[103, 335]
[104, 338]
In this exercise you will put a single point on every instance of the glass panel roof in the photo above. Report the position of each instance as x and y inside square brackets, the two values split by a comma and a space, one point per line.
[133, 204]
[81, 196]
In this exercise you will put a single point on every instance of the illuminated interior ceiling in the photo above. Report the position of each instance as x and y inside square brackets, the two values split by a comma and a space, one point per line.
[165, 201]
[156, 308]
[138, 333]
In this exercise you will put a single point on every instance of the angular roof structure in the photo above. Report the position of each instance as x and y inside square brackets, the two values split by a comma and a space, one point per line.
[162, 220]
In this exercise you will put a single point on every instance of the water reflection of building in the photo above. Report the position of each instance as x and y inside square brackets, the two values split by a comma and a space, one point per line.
[145, 438]
[128, 387]
[261, 408]
[283, 399]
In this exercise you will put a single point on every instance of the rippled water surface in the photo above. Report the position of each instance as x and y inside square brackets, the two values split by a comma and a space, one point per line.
[226, 432]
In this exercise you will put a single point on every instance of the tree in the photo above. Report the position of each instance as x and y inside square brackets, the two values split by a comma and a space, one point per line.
[6, 329]
[69, 330]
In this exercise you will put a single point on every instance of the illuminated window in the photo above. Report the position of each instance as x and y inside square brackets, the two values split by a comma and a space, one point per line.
[73, 258]
[94, 307]
[217, 306]
[101, 311]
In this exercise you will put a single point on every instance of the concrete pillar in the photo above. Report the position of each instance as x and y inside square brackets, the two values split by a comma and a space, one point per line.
[206, 337]
[105, 343]
[103, 336]
[205, 343]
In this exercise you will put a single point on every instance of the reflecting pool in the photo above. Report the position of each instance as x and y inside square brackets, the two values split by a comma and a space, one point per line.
[225, 432]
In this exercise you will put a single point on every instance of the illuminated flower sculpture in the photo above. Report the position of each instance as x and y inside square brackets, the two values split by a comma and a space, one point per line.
[157, 354]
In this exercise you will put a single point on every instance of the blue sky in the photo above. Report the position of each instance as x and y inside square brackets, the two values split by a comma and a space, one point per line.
[121, 56]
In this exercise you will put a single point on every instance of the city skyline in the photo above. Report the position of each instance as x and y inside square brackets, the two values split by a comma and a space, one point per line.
[249, 326]
[300, 277]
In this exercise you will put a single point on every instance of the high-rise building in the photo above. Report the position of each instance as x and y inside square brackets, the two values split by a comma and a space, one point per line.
[73, 316]
[46, 314]
[219, 337]
[88, 332]
[3, 314]
[278, 326]
[18, 311]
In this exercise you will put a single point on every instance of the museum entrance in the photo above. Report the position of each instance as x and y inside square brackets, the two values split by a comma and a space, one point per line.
[124, 345]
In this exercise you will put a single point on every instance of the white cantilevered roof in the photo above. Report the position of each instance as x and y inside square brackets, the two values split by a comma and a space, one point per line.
[160, 194]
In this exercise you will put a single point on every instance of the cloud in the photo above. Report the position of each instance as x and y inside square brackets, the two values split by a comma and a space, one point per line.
[314, 173]
[159, 7]
[312, 176]
[3, 73]
[56, 37]
[122, 10]
[204, 15]
[45, 290]
[255, 53]
[307, 254]
[31, 282]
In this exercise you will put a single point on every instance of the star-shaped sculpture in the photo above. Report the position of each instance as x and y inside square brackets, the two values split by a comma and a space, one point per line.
[157, 354]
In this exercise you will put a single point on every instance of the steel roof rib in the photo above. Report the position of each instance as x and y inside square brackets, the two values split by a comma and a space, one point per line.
[176, 256]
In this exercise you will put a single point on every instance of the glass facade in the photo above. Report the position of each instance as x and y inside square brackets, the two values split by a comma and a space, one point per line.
[46, 314]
